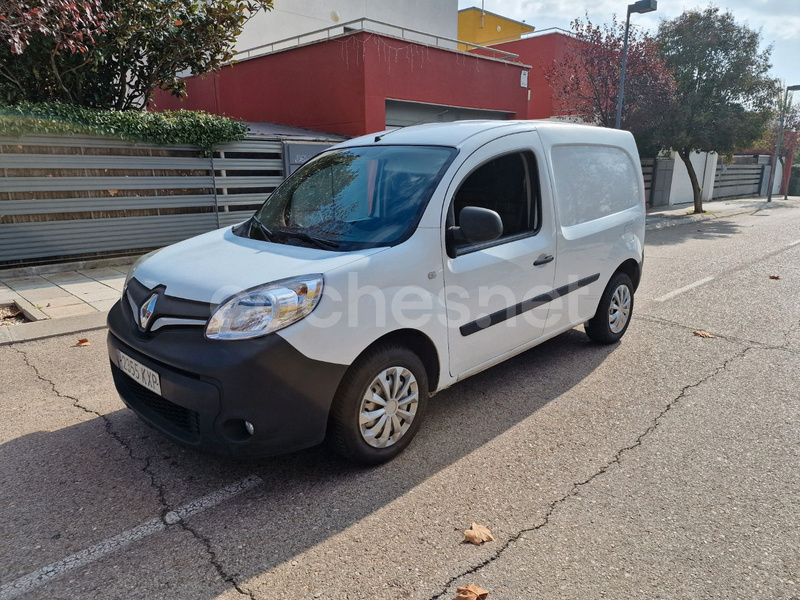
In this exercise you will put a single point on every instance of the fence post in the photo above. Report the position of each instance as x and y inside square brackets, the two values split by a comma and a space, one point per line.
[214, 183]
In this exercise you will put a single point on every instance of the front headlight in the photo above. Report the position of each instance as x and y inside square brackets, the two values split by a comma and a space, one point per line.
[264, 309]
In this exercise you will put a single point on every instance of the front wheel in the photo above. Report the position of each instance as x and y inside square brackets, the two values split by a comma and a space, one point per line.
[379, 406]
[614, 311]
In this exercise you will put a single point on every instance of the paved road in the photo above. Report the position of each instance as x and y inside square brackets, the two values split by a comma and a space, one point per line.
[664, 467]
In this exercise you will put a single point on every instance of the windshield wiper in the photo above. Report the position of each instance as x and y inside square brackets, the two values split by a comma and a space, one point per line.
[265, 232]
[318, 242]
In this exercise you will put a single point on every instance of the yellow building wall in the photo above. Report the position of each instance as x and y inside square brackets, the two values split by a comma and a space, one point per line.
[485, 28]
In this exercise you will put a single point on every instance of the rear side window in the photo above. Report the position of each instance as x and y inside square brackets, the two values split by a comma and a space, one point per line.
[592, 182]
[508, 185]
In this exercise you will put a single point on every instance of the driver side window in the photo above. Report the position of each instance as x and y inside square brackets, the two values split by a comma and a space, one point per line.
[508, 185]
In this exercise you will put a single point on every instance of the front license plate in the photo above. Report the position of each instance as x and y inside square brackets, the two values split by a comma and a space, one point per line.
[139, 373]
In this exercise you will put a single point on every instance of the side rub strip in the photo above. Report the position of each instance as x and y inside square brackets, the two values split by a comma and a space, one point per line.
[524, 306]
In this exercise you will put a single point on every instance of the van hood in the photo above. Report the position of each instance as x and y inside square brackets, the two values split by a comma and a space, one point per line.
[213, 266]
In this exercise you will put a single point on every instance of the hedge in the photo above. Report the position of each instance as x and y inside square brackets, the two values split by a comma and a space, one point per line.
[164, 128]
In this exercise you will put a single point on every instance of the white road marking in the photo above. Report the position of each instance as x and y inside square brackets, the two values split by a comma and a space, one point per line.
[84, 557]
[685, 288]
[698, 283]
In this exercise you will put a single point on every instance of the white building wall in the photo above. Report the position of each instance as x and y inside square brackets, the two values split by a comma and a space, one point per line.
[778, 180]
[705, 167]
[290, 18]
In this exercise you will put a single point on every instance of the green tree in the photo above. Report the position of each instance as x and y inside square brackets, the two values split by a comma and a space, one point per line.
[138, 46]
[724, 91]
[586, 81]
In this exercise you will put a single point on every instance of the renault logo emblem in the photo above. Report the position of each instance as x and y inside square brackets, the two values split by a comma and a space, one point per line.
[146, 311]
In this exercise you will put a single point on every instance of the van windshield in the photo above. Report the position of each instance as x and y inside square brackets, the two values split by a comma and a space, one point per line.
[353, 198]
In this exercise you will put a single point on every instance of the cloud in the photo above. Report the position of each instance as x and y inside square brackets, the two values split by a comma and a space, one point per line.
[778, 19]
[773, 27]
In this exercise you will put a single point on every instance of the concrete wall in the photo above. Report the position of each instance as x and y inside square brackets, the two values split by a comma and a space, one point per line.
[777, 184]
[293, 17]
[705, 166]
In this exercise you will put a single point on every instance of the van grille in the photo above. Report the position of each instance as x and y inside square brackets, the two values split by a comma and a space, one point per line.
[179, 421]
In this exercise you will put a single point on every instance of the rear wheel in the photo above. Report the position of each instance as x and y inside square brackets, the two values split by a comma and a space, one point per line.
[379, 406]
[614, 312]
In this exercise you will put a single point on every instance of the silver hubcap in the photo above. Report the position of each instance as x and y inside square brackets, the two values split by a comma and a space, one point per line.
[388, 407]
[620, 310]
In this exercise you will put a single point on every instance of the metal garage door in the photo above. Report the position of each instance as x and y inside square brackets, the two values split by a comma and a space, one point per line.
[400, 113]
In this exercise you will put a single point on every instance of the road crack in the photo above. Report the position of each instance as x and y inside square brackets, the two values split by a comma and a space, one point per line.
[147, 469]
[215, 561]
[155, 482]
[576, 487]
[785, 347]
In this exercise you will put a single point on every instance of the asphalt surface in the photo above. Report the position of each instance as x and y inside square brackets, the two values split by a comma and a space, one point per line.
[663, 467]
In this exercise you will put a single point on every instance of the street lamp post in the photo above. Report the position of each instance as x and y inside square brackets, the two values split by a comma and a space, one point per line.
[642, 6]
[791, 88]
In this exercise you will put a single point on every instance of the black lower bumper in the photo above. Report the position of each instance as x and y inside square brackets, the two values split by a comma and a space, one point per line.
[209, 388]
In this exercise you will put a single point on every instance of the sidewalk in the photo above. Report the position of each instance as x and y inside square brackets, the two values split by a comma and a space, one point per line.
[61, 302]
[669, 216]
[78, 300]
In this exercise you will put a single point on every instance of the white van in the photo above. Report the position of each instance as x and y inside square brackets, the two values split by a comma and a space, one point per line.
[384, 270]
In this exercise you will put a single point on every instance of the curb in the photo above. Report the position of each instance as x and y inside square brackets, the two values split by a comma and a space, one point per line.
[51, 328]
[30, 311]
[688, 219]
[684, 220]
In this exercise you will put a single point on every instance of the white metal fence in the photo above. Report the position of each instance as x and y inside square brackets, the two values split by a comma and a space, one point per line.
[740, 180]
[83, 197]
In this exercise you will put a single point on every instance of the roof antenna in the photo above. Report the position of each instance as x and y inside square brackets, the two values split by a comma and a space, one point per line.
[378, 138]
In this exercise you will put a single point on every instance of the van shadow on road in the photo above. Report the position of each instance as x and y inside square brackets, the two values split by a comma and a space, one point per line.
[307, 497]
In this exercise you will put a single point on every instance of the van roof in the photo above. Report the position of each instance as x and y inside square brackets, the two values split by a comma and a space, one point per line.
[460, 134]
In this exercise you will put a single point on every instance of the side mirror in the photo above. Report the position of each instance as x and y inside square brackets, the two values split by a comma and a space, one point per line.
[477, 225]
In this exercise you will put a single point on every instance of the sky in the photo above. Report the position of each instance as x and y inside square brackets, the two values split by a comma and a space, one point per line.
[778, 21]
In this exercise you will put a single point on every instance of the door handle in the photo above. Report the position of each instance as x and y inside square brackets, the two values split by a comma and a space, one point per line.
[543, 260]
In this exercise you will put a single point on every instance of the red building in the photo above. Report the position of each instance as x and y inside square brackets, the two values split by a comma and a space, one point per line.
[540, 51]
[361, 82]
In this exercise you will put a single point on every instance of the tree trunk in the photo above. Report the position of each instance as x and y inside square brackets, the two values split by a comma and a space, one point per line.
[66, 93]
[686, 157]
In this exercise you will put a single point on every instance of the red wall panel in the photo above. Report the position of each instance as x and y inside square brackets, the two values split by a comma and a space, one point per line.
[540, 52]
[311, 86]
[341, 86]
[399, 70]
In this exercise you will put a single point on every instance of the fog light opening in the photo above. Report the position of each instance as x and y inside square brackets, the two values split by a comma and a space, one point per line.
[237, 430]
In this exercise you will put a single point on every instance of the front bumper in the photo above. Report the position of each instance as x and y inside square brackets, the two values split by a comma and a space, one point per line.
[210, 387]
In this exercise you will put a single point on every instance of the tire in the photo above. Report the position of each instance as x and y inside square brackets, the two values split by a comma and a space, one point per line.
[391, 374]
[614, 312]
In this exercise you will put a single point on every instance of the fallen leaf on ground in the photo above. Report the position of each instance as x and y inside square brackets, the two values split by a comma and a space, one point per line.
[774, 276]
[12, 315]
[477, 534]
[471, 592]
[113, 192]
[703, 334]
[83, 342]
